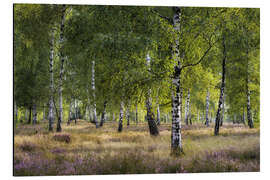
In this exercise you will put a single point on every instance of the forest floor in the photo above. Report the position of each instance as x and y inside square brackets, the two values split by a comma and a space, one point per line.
[83, 149]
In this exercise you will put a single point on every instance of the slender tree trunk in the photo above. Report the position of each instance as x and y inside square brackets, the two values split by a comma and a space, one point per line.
[207, 109]
[244, 118]
[44, 112]
[51, 113]
[176, 140]
[121, 115]
[181, 103]
[70, 113]
[136, 115]
[127, 115]
[249, 116]
[217, 123]
[103, 116]
[158, 115]
[113, 117]
[34, 114]
[26, 114]
[223, 109]
[30, 115]
[75, 111]
[150, 115]
[158, 111]
[94, 94]
[16, 113]
[187, 108]
[62, 59]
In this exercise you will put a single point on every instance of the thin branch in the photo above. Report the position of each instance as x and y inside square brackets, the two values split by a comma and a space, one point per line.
[201, 59]
[163, 17]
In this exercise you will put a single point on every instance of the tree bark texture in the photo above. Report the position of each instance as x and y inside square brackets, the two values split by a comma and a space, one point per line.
[51, 113]
[217, 122]
[176, 140]
[150, 115]
[62, 59]
[249, 116]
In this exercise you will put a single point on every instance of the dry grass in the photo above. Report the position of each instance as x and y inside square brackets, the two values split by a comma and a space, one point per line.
[105, 151]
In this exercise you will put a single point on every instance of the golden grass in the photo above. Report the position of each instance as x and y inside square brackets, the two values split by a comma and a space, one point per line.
[114, 152]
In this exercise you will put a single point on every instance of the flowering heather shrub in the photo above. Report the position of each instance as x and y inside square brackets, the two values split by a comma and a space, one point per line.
[27, 146]
[62, 138]
[104, 151]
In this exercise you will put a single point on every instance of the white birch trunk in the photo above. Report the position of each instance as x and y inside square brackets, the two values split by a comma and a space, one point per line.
[51, 113]
[176, 140]
[62, 59]
[94, 95]
[150, 116]
[187, 108]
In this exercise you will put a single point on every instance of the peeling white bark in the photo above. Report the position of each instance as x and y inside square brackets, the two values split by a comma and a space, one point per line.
[176, 140]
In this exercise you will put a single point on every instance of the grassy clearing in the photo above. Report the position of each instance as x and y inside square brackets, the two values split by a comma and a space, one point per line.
[83, 149]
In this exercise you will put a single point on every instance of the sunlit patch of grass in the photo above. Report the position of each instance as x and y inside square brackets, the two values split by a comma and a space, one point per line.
[105, 151]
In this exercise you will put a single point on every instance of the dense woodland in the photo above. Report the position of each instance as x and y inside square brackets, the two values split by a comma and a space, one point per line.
[131, 65]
